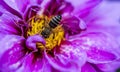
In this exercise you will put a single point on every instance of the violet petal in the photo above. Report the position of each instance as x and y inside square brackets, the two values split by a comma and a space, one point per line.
[87, 68]
[34, 62]
[100, 47]
[56, 7]
[109, 67]
[1, 13]
[8, 8]
[105, 18]
[31, 11]
[2, 10]
[24, 4]
[84, 7]
[32, 40]
[11, 52]
[73, 25]
[67, 58]
[8, 25]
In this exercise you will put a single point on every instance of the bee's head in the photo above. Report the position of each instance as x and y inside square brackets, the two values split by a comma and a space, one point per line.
[59, 16]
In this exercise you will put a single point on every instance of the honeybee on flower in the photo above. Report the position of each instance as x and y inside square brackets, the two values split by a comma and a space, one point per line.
[58, 36]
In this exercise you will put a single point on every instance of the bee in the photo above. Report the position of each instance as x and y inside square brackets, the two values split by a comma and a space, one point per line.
[54, 22]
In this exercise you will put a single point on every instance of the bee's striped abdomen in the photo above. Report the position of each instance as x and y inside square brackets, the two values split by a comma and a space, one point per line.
[55, 21]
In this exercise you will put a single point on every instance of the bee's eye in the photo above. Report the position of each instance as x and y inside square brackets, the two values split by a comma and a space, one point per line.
[59, 16]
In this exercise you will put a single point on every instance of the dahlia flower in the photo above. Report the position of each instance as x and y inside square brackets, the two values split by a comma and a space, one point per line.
[85, 37]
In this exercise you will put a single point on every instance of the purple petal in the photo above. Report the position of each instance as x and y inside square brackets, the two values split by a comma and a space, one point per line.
[31, 11]
[24, 4]
[73, 25]
[8, 25]
[1, 13]
[100, 47]
[84, 7]
[109, 67]
[11, 10]
[87, 68]
[68, 58]
[55, 7]
[106, 14]
[32, 40]
[2, 10]
[11, 52]
[100, 55]
[35, 62]
[105, 18]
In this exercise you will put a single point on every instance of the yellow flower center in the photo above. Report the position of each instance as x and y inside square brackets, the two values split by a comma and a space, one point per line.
[38, 24]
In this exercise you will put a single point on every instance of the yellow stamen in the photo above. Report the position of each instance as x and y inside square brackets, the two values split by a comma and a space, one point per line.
[37, 25]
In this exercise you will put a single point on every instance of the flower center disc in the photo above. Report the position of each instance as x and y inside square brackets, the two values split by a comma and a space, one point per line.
[38, 24]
